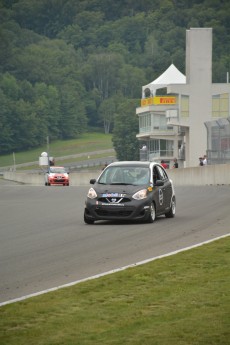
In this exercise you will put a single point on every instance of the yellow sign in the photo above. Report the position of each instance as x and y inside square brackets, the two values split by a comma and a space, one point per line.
[165, 100]
[158, 100]
[146, 101]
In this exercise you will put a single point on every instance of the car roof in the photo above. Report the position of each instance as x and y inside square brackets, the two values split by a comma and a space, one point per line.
[54, 166]
[133, 163]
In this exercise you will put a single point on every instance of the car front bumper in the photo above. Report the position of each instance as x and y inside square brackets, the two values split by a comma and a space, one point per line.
[135, 210]
[61, 181]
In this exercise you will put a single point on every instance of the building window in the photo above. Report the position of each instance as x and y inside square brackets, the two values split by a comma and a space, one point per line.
[153, 122]
[159, 122]
[145, 123]
[218, 133]
[184, 106]
[220, 105]
[160, 148]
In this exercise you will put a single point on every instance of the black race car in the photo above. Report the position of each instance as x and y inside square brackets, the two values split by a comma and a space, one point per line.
[130, 191]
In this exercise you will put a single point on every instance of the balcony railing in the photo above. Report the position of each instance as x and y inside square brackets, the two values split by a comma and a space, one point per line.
[151, 129]
[157, 154]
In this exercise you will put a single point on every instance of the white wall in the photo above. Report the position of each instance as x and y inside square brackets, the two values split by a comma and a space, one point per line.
[202, 175]
[207, 175]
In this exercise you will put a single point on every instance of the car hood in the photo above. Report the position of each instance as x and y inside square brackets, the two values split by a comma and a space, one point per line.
[121, 189]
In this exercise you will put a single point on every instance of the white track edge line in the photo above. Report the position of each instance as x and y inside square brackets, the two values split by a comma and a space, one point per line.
[111, 271]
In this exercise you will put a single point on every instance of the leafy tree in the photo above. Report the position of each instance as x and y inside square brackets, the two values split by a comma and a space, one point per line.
[6, 47]
[49, 61]
[6, 137]
[10, 86]
[73, 120]
[125, 130]
[48, 106]
[41, 16]
[118, 48]
[131, 31]
[131, 80]
[103, 74]
[92, 103]
[27, 91]
[73, 34]
[27, 127]
[107, 112]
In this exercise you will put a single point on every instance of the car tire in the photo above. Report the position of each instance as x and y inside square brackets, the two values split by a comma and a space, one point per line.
[152, 213]
[172, 210]
[88, 220]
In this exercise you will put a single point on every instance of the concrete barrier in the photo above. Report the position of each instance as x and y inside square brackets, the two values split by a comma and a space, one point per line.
[76, 179]
[198, 176]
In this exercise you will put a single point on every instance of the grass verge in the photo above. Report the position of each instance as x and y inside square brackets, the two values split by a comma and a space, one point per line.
[178, 300]
[60, 162]
[89, 142]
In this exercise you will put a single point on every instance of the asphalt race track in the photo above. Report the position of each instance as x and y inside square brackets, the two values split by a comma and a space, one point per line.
[45, 243]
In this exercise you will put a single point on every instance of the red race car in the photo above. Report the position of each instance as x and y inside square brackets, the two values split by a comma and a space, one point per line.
[57, 176]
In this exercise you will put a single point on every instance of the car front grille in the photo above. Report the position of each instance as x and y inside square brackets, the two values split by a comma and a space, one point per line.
[113, 213]
[114, 200]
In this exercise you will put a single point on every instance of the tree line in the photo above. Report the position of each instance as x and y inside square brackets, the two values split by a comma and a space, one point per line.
[67, 66]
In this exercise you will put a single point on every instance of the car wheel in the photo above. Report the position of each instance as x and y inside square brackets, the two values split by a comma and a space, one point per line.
[172, 210]
[152, 213]
[88, 220]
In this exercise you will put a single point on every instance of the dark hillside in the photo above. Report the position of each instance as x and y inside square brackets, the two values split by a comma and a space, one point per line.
[67, 65]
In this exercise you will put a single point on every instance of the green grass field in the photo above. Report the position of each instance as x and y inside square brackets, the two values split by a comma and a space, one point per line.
[89, 142]
[178, 300]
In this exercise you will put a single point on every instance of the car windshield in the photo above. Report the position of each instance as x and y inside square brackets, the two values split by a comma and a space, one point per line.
[57, 170]
[122, 175]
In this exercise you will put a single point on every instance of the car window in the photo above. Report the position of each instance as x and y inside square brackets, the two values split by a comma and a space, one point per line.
[107, 176]
[161, 173]
[156, 175]
[57, 170]
[125, 175]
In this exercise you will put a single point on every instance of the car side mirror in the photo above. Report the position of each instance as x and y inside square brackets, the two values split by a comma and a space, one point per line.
[159, 183]
[92, 181]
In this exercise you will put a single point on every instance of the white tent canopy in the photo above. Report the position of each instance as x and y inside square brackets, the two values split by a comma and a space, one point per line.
[171, 76]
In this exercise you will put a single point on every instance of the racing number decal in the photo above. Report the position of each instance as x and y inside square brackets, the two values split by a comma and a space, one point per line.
[161, 197]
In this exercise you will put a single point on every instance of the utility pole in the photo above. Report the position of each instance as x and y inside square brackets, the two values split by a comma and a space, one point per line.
[14, 161]
[48, 144]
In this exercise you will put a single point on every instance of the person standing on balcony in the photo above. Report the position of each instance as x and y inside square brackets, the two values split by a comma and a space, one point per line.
[205, 160]
[164, 164]
[201, 161]
[144, 153]
[175, 165]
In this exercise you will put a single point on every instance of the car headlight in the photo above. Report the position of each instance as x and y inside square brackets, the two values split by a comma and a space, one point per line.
[92, 193]
[141, 194]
